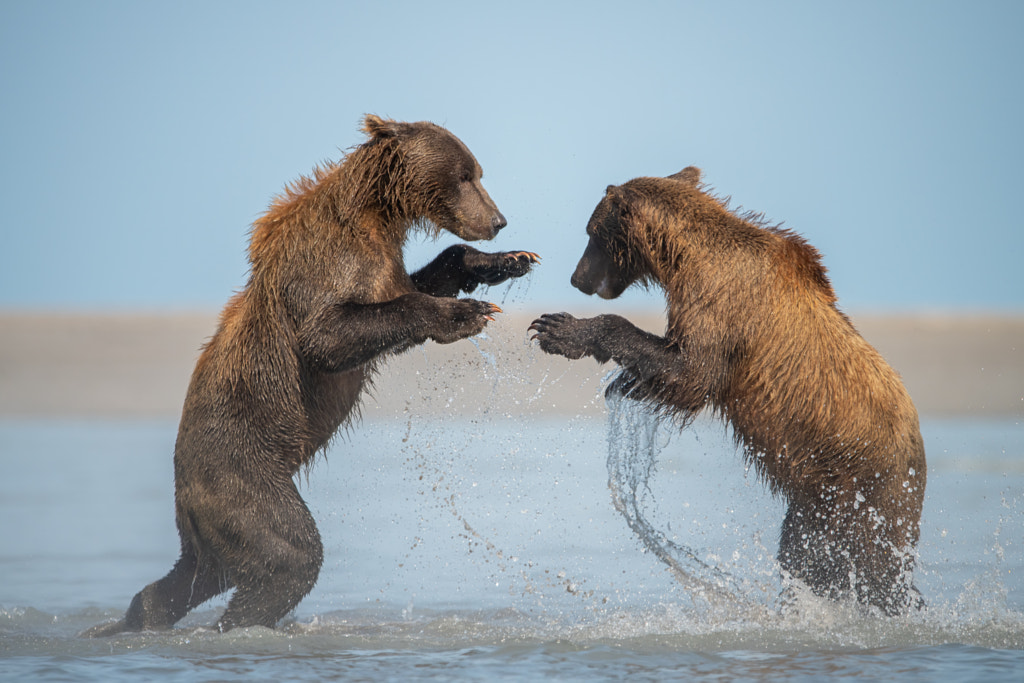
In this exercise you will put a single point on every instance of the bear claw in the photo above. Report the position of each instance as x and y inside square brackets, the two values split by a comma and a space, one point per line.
[530, 256]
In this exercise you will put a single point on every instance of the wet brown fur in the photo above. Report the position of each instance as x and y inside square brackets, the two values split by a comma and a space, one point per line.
[755, 336]
[328, 297]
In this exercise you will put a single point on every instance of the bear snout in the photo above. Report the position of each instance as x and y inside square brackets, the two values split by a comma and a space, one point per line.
[581, 283]
[498, 222]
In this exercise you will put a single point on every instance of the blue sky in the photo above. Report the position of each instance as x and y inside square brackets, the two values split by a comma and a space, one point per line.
[141, 139]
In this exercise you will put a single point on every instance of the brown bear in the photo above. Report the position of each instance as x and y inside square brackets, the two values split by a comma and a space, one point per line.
[754, 335]
[327, 298]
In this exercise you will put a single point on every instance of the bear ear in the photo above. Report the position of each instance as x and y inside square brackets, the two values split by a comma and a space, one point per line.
[376, 127]
[689, 175]
[619, 198]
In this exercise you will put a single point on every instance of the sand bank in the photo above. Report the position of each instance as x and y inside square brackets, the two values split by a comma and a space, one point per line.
[138, 365]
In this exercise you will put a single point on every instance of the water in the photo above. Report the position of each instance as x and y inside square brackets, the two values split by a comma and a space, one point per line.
[636, 439]
[492, 549]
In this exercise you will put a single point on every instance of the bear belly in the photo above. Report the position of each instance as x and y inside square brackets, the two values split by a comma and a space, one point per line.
[329, 400]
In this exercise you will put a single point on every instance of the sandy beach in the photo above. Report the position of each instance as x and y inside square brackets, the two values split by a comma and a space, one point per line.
[120, 365]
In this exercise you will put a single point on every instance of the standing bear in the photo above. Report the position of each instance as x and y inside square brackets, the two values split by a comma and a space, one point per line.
[327, 298]
[755, 336]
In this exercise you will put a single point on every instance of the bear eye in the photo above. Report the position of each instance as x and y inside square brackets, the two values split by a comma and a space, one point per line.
[465, 176]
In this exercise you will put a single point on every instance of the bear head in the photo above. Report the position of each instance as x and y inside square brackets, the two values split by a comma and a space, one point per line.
[614, 257]
[439, 177]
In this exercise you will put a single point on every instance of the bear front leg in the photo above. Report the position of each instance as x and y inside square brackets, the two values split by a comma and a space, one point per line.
[345, 335]
[653, 367]
[461, 268]
[608, 337]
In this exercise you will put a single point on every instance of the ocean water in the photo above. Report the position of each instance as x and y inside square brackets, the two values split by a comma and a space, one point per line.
[497, 549]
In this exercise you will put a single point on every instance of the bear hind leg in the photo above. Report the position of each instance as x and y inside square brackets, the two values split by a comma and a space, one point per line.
[191, 582]
[161, 604]
[280, 568]
[812, 553]
[884, 571]
[838, 555]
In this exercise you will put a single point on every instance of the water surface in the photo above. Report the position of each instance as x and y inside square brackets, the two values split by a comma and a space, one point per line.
[490, 549]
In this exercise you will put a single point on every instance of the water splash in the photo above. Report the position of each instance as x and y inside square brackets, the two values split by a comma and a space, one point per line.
[635, 438]
[517, 290]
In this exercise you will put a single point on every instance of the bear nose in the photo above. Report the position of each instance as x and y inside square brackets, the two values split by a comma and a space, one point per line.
[580, 283]
[498, 222]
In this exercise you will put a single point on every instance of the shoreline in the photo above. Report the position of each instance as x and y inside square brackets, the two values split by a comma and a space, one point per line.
[137, 365]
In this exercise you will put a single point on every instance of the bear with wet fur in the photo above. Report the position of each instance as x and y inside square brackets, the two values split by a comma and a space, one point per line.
[327, 298]
[754, 335]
